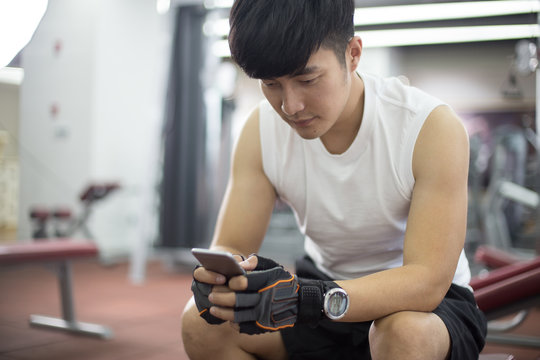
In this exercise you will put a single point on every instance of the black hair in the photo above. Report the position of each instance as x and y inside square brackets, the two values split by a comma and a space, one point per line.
[273, 38]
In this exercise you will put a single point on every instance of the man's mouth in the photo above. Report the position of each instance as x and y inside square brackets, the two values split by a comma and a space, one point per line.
[303, 123]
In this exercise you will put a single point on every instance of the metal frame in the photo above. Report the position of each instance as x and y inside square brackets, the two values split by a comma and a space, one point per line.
[68, 322]
[497, 329]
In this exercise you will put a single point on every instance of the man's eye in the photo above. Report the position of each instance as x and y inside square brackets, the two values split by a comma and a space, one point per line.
[308, 81]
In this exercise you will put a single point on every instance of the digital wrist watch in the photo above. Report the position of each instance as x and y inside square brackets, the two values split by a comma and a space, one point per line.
[336, 303]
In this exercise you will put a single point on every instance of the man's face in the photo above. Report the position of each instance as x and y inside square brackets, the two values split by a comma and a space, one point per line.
[312, 101]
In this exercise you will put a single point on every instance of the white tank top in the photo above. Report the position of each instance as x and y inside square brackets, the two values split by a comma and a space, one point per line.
[352, 208]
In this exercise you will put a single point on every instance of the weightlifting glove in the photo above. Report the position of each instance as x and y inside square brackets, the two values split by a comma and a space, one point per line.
[200, 293]
[275, 299]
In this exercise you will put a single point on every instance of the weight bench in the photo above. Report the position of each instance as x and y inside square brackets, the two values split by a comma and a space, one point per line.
[513, 287]
[59, 252]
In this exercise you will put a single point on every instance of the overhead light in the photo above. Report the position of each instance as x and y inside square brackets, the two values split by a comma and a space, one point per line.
[418, 13]
[381, 15]
[221, 49]
[447, 35]
[216, 27]
[212, 4]
[443, 11]
[431, 36]
[163, 6]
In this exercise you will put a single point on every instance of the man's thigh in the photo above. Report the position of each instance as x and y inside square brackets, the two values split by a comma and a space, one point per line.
[328, 341]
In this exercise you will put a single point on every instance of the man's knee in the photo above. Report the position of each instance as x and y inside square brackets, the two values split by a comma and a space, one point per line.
[204, 341]
[402, 326]
[409, 333]
[199, 338]
[190, 329]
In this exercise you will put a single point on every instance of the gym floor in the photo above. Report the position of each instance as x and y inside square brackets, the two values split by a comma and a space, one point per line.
[145, 318]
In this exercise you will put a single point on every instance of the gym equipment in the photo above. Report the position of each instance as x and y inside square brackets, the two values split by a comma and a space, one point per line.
[64, 224]
[39, 217]
[496, 357]
[62, 220]
[512, 288]
[506, 195]
[59, 253]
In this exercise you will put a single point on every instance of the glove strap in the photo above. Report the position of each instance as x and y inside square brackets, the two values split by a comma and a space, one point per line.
[311, 300]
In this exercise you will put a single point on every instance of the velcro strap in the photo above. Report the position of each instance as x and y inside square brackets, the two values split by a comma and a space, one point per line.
[310, 303]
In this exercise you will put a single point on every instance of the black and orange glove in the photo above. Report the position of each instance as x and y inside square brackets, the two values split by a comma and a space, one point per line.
[275, 299]
[200, 293]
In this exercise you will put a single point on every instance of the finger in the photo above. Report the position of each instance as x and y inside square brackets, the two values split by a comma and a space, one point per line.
[209, 277]
[250, 263]
[222, 313]
[223, 299]
[221, 288]
[239, 258]
[238, 283]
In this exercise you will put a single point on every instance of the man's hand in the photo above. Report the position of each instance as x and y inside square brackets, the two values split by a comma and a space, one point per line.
[204, 282]
[269, 298]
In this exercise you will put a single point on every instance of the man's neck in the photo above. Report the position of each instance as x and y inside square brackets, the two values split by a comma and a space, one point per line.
[340, 137]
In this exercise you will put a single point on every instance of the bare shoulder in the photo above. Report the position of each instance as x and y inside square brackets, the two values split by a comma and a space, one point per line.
[442, 145]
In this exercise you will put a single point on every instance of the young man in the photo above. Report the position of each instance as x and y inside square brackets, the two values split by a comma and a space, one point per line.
[376, 173]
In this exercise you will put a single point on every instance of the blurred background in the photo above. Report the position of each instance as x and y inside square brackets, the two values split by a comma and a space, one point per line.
[117, 119]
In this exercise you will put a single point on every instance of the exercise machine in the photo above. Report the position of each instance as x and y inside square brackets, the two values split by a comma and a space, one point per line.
[64, 224]
[513, 287]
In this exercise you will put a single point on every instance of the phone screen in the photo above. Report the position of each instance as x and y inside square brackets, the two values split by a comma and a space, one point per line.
[220, 262]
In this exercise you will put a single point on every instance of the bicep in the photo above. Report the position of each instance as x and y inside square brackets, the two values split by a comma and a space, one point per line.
[438, 215]
[249, 199]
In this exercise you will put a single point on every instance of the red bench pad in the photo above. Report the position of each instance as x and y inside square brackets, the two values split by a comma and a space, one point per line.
[494, 258]
[506, 285]
[46, 251]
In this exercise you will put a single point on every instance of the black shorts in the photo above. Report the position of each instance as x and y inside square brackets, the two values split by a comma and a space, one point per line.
[335, 340]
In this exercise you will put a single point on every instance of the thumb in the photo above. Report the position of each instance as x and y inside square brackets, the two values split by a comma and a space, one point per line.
[250, 263]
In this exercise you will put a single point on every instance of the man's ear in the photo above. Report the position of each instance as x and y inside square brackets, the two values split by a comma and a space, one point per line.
[354, 52]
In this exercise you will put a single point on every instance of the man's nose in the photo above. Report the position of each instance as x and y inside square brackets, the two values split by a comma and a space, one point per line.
[291, 102]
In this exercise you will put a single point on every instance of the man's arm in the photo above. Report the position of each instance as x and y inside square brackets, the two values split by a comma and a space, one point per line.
[249, 199]
[435, 229]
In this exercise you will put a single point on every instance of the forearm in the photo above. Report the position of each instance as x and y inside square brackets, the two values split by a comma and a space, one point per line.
[407, 288]
[235, 250]
[242, 223]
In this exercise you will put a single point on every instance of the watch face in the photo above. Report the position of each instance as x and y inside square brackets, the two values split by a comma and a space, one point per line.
[336, 304]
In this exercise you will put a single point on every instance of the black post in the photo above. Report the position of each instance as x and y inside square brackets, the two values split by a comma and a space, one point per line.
[184, 209]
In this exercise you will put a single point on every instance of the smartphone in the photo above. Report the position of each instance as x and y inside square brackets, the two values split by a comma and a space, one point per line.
[220, 262]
